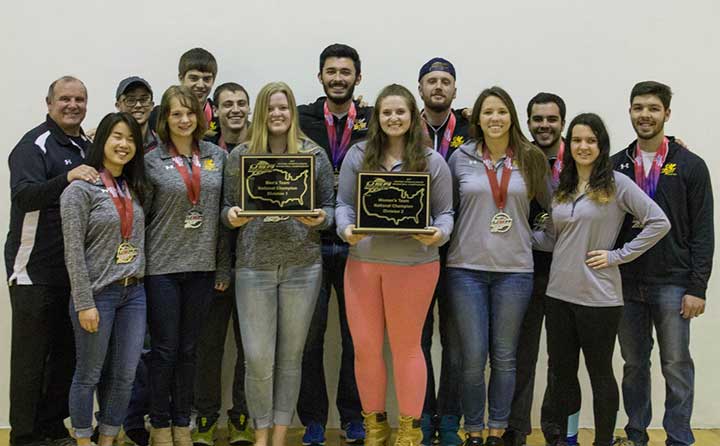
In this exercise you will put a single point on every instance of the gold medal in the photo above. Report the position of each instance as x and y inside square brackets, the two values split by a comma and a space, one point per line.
[501, 222]
[193, 219]
[126, 253]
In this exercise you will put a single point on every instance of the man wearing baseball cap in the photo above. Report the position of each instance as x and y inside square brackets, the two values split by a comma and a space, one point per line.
[447, 129]
[135, 96]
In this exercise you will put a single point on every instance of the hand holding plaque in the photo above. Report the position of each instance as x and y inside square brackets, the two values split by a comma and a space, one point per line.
[393, 202]
[282, 185]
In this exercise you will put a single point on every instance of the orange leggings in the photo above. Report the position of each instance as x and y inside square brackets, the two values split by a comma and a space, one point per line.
[397, 296]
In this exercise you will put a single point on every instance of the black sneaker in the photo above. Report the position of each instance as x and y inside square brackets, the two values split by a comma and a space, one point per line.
[139, 436]
[494, 441]
[473, 441]
[512, 437]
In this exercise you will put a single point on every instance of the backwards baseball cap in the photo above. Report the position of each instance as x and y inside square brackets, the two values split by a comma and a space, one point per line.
[437, 64]
[126, 83]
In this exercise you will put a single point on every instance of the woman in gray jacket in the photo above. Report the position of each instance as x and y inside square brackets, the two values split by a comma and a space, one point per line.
[584, 292]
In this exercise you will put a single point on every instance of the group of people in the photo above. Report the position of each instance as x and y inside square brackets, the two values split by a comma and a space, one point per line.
[142, 226]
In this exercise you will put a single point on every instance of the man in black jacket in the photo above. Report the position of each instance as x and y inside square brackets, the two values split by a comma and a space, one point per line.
[665, 287]
[42, 361]
[335, 122]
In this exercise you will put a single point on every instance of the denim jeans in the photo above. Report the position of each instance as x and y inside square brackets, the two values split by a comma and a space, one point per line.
[42, 361]
[658, 306]
[488, 309]
[274, 307]
[177, 304]
[210, 352]
[139, 405]
[107, 359]
[449, 394]
[313, 401]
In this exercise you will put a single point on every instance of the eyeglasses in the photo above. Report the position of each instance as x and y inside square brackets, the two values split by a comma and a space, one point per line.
[131, 101]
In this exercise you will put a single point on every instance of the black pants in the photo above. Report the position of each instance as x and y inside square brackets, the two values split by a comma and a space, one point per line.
[42, 362]
[571, 328]
[527, 356]
[210, 350]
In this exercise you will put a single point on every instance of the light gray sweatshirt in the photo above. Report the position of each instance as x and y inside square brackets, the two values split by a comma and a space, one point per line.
[473, 246]
[583, 226]
[395, 249]
[268, 242]
[91, 234]
[172, 248]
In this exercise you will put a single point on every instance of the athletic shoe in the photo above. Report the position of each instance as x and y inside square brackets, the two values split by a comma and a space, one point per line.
[473, 441]
[409, 432]
[240, 432]
[494, 441]
[353, 432]
[204, 432]
[314, 434]
[139, 437]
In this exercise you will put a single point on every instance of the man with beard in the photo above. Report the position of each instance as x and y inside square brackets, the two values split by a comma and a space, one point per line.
[232, 108]
[664, 288]
[335, 122]
[546, 120]
[447, 130]
[135, 96]
[42, 164]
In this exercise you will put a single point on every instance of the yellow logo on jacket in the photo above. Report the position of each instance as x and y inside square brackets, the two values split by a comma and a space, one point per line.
[209, 165]
[360, 124]
[457, 142]
[670, 169]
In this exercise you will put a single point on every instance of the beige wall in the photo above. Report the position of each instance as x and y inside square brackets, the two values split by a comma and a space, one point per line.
[591, 53]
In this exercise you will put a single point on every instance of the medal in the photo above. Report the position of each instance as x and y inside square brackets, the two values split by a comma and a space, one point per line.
[501, 221]
[339, 148]
[540, 221]
[126, 252]
[193, 219]
[649, 183]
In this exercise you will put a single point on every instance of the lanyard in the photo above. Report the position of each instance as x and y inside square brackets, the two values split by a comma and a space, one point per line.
[447, 135]
[649, 183]
[124, 204]
[558, 164]
[338, 149]
[191, 184]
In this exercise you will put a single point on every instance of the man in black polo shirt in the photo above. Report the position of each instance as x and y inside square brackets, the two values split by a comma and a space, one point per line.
[335, 122]
[42, 361]
[664, 288]
[447, 130]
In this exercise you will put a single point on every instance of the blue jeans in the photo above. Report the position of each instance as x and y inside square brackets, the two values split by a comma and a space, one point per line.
[648, 306]
[177, 304]
[107, 359]
[313, 400]
[274, 307]
[488, 309]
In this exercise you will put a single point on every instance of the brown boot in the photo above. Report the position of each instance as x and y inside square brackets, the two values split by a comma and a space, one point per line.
[409, 432]
[181, 436]
[161, 436]
[377, 429]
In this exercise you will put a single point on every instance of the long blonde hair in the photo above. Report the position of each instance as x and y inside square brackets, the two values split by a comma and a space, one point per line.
[258, 136]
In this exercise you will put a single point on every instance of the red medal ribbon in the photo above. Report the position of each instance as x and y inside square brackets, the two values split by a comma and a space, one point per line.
[649, 183]
[558, 164]
[124, 204]
[192, 184]
[447, 135]
[208, 112]
[499, 191]
[338, 149]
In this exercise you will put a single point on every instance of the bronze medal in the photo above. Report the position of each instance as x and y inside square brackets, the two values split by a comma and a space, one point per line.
[193, 219]
[501, 222]
[126, 253]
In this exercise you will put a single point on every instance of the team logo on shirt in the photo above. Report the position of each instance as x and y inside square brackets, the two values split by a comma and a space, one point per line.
[624, 166]
[209, 165]
[457, 142]
[360, 124]
[670, 169]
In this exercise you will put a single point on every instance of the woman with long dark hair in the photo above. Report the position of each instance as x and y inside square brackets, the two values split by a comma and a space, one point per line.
[278, 268]
[584, 292]
[390, 279]
[186, 257]
[490, 264]
[104, 234]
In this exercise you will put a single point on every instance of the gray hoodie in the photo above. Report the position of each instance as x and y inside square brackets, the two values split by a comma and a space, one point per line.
[91, 233]
[582, 226]
[395, 249]
[172, 248]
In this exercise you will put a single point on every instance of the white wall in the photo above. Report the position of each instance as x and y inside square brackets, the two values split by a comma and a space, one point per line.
[591, 53]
